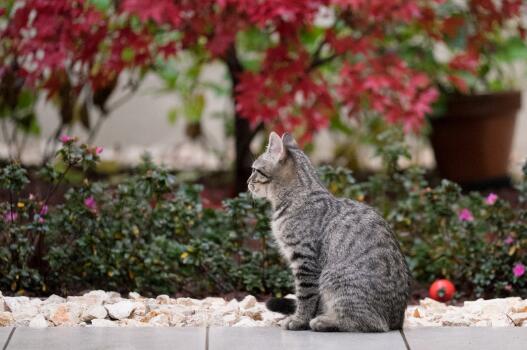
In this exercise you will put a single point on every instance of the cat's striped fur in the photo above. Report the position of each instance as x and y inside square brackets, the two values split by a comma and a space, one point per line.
[350, 274]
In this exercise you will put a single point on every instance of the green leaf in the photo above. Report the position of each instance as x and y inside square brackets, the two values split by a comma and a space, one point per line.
[172, 115]
[102, 5]
[512, 50]
[253, 39]
[127, 54]
[193, 107]
[336, 123]
[25, 99]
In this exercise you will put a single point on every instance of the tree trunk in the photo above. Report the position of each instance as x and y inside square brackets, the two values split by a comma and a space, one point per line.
[244, 157]
[243, 133]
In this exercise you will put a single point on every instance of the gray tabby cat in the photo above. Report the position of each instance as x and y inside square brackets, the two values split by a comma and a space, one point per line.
[350, 274]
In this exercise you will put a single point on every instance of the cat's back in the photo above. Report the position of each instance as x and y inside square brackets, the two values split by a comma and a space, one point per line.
[358, 231]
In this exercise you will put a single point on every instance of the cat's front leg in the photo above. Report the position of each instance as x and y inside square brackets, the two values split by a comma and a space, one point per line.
[307, 293]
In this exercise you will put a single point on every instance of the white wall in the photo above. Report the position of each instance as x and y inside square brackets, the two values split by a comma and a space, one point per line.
[142, 124]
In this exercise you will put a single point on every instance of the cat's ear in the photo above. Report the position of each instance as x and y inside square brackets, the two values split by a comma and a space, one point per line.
[275, 148]
[288, 140]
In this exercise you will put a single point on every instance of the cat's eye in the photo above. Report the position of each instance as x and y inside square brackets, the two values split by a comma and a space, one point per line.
[260, 172]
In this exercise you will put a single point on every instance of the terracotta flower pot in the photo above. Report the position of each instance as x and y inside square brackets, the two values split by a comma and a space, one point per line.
[472, 141]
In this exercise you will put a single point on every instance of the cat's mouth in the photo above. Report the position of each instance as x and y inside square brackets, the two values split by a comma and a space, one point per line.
[255, 191]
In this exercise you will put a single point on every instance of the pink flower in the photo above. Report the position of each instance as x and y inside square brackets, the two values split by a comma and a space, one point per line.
[41, 220]
[66, 139]
[44, 210]
[466, 215]
[10, 216]
[518, 270]
[98, 150]
[491, 198]
[90, 203]
[509, 240]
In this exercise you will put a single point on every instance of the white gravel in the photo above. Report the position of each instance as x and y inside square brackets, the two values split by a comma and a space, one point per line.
[108, 309]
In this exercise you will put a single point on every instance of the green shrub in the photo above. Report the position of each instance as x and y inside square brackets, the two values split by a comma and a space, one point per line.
[151, 234]
[473, 240]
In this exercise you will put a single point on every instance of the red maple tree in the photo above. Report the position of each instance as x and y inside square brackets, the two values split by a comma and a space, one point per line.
[319, 58]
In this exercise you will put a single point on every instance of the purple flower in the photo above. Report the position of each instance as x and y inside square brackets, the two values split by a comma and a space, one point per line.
[466, 215]
[509, 240]
[491, 198]
[10, 216]
[90, 203]
[98, 150]
[518, 270]
[66, 139]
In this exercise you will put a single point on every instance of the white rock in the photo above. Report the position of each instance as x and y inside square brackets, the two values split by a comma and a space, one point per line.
[213, 301]
[24, 314]
[54, 299]
[248, 302]
[103, 323]
[491, 307]
[14, 304]
[163, 299]
[188, 301]
[519, 318]
[38, 322]
[245, 322]
[76, 310]
[428, 303]
[520, 306]
[120, 310]
[230, 319]
[231, 307]
[134, 295]
[177, 319]
[272, 317]
[160, 320]
[91, 298]
[64, 316]
[113, 297]
[501, 321]
[93, 312]
[254, 313]
[140, 309]
[6, 319]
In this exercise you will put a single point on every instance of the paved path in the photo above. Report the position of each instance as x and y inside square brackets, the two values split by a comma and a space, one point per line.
[259, 339]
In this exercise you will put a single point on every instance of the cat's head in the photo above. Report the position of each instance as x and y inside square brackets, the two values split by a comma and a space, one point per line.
[275, 170]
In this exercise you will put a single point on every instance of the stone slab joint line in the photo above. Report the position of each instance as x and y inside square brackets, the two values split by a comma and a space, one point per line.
[207, 338]
[404, 339]
[9, 338]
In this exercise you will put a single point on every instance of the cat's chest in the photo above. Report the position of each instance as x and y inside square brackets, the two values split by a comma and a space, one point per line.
[283, 234]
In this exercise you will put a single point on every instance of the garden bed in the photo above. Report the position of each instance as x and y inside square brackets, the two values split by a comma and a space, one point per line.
[108, 309]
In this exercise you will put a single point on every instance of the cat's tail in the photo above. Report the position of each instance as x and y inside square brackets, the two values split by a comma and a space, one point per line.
[284, 306]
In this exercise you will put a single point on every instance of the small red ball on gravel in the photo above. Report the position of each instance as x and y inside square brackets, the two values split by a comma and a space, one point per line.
[442, 290]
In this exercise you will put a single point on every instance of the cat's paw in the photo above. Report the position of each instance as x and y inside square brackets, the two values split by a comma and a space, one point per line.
[294, 324]
[323, 324]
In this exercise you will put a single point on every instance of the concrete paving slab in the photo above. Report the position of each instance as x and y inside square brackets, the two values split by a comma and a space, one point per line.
[275, 339]
[4, 335]
[83, 338]
[466, 338]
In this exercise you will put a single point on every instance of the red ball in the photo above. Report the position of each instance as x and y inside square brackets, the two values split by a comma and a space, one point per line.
[442, 290]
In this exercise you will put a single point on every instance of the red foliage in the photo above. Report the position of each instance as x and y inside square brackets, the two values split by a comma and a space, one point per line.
[54, 39]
